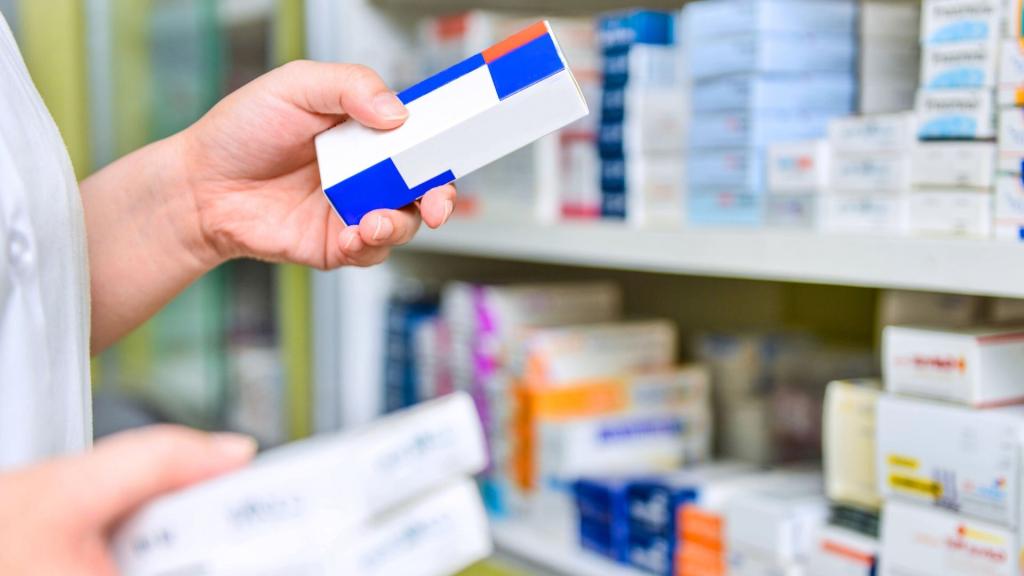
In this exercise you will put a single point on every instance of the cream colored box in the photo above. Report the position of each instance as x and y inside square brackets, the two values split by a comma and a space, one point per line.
[849, 442]
[966, 164]
[950, 213]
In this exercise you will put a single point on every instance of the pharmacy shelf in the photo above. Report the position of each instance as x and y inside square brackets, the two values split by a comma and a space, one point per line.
[953, 265]
[535, 6]
[523, 542]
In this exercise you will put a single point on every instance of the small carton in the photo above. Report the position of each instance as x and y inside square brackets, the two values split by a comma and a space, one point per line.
[878, 133]
[968, 114]
[1011, 140]
[951, 21]
[954, 164]
[863, 213]
[950, 213]
[841, 552]
[960, 65]
[798, 167]
[849, 442]
[977, 367]
[776, 523]
[869, 172]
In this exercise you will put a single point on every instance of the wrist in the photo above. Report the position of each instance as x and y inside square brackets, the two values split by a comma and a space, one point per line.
[180, 192]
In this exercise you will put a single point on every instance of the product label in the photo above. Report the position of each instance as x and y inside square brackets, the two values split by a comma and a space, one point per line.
[946, 21]
[965, 114]
[961, 65]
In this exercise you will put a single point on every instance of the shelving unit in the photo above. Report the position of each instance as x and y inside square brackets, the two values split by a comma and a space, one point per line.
[951, 265]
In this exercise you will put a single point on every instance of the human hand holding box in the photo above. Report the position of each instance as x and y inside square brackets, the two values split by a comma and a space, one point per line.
[459, 120]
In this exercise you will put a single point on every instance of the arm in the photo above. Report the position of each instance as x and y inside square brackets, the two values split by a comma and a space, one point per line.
[241, 182]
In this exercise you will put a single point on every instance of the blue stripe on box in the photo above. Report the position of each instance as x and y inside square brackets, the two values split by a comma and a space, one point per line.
[379, 186]
[441, 78]
[525, 66]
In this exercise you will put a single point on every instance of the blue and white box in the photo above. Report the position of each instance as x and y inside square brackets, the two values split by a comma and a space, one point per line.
[1011, 140]
[870, 172]
[729, 207]
[623, 29]
[960, 65]
[863, 213]
[799, 167]
[828, 91]
[709, 19]
[755, 129]
[1009, 208]
[950, 213]
[642, 64]
[740, 168]
[459, 120]
[950, 21]
[773, 53]
[875, 133]
[955, 164]
[968, 114]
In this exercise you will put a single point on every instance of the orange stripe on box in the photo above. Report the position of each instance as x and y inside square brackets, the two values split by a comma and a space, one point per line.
[515, 41]
[840, 550]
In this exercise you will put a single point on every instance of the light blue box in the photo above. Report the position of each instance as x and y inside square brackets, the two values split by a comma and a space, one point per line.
[756, 129]
[725, 208]
[738, 168]
[949, 21]
[822, 91]
[773, 53]
[715, 18]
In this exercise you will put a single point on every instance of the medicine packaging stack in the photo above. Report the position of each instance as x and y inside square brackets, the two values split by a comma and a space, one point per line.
[640, 137]
[1008, 212]
[949, 452]
[797, 176]
[484, 322]
[869, 174]
[890, 55]
[377, 501]
[760, 71]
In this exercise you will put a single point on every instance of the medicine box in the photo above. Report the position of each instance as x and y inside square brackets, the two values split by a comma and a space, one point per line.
[960, 65]
[951, 21]
[976, 367]
[642, 65]
[921, 541]
[1011, 140]
[796, 211]
[731, 17]
[841, 552]
[862, 213]
[639, 120]
[968, 461]
[848, 442]
[355, 476]
[869, 172]
[724, 207]
[1013, 18]
[776, 53]
[950, 213]
[878, 133]
[825, 91]
[520, 89]
[755, 129]
[603, 515]
[1009, 203]
[620, 30]
[740, 168]
[954, 164]
[655, 189]
[775, 523]
[968, 114]
[1011, 63]
[798, 167]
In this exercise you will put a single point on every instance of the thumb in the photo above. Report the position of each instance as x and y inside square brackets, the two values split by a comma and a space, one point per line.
[131, 468]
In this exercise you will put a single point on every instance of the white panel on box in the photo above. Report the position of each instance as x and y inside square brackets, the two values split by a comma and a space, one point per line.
[950, 213]
[960, 65]
[879, 133]
[776, 523]
[967, 164]
[863, 213]
[798, 166]
[1011, 63]
[869, 172]
[655, 120]
[791, 210]
[968, 114]
[655, 188]
[1011, 140]
[949, 21]
[840, 552]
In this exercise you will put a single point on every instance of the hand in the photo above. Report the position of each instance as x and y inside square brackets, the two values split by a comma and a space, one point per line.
[252, 169]
[56, 518]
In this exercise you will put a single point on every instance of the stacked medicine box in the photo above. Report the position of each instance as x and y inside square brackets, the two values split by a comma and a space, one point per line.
[797, 177]
[1009, 201]
[948, 451]
[956, 105]
[760, 71]
[889, 55]
[640, 137]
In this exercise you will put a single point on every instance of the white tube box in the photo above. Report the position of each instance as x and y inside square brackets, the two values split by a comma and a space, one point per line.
[655, 190]
[776, 523]
[976, 367]
[1011, 63]
[949, 21]
[967, 114]
[798, 167]
[919, 541]
[960, 65]
[1011, 140]
[950, 213]
[848, 442]
[863, 213]
[1009, 209]
[317, 491]
[968, 461]
[954, 164]
[841, 552]
[869, 172]
[879, 133]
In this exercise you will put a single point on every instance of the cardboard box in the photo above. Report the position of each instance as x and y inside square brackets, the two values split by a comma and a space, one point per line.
[968, 114]
[791, 211]
[637, 120]
[912, 307]
[795, 92]
[886, 19]
[521, 88]
[743, 129]
[920, 541]
[642, 65]
[740, 168]
[655, 189]
[863, 213]
[869, 172]
[849, 442]
[728, 207]
[731, 17]
[950, 21]
[976, 367]
[968, 461]
[879, 133]
[954, 164]
[1009, 202]
[841, 552]
[1011, 63]
[1011, 140]
[950, 213]
[351, 478]
[798, 167]
[1013, 17]
[960, 65]
[803, 52]
[628, 28]
[775, 524]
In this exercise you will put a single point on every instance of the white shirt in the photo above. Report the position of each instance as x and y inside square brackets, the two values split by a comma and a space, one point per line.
[44, 279]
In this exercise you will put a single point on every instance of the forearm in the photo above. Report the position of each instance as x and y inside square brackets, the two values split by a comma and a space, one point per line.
[144, 238]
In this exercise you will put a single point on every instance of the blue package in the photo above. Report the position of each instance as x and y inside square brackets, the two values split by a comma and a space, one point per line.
[652, 553]
[610, 137]
[603, 518]
[954, 21]
[716, 18]
[757, 129]
[725, 208]
[739, 168]
[401, 388]
[773, 53]
[613, 188]
[613, 104]
[618, 29]
[788, 92]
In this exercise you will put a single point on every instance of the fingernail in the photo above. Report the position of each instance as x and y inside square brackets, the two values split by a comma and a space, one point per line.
[234, 446]
[352, 233]
[389, 106]
[383, 229]
[449, 207]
